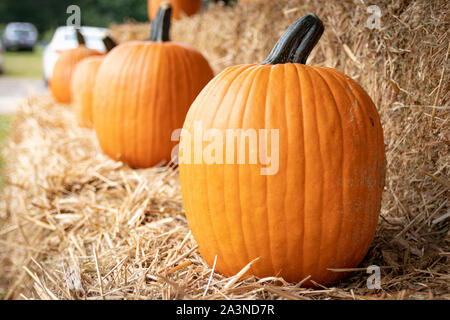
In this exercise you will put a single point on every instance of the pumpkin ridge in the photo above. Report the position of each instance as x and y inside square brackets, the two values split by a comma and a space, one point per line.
[342, 86]
[362, 133]
[207, 185]
[123, 84]
[152, 112]
[301, 245]
[319, 72]
[223, 76]
[285, 100]
[180, 64]
[254, 71]
[109, 110]
[266, 178]
[191, 68]
[82, 86]
[140, 109]
[166, 72]
[124, 120]
[187, 67]
[230, 77]
[351, 212]
[303, 92]
[187, 72]
[332, 259]
[267, 74]
[319, 139]
[171, 88]
[247, 75]
[369, 147]
[105, 114]
[194, 114]
[292, 104]
[298, 250]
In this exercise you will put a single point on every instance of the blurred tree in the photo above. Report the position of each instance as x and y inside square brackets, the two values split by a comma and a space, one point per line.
[48, 14]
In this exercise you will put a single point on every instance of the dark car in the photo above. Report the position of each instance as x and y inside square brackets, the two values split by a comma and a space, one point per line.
[19, 36]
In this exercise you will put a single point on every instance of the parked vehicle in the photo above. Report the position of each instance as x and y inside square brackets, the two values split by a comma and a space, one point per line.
[19, 36]
[64, 38]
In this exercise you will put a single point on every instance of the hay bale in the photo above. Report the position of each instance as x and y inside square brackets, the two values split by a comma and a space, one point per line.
[74, 224]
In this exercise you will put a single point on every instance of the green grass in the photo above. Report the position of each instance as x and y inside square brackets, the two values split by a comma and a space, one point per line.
[5, 121]
[23, 64]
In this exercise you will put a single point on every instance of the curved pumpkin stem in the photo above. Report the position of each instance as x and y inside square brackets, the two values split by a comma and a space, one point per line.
[80, 37]
[161, 23]
[297, 42]
[109, 43]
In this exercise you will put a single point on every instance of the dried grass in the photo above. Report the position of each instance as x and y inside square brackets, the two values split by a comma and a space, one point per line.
[76, 225]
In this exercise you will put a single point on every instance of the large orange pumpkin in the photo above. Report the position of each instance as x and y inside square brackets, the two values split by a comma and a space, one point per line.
[316, 210]
[179, 7]
[142, 93]
[83, 81]
[64, 67]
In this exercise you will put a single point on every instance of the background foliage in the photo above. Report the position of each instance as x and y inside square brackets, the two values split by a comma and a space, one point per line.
[49, 14]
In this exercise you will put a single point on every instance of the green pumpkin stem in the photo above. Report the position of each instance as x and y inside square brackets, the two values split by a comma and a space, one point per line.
[109, 43]
[297, 42]
[161, 24]
[80, 37]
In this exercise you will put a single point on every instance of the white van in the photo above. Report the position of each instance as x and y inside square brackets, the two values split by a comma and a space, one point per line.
[65, 38]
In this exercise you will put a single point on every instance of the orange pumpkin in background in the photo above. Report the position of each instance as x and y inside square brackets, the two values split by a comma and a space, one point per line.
[60, 85]
[315, 208]
[142, 93]
[83, 81]
[179, 7]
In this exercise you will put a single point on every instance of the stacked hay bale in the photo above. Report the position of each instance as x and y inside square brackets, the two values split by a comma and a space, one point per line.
[74, 224]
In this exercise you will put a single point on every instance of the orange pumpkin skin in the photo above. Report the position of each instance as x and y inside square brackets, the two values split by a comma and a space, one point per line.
[83, 82]
[63, 70]
[179, 7]
[142, 94]
[149, 6]
[320, 209]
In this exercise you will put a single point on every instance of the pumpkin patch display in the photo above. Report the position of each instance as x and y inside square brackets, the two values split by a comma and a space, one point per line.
[60, 85]
[83, 81]
[142, 93]
[179, 7]
[319, 137]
